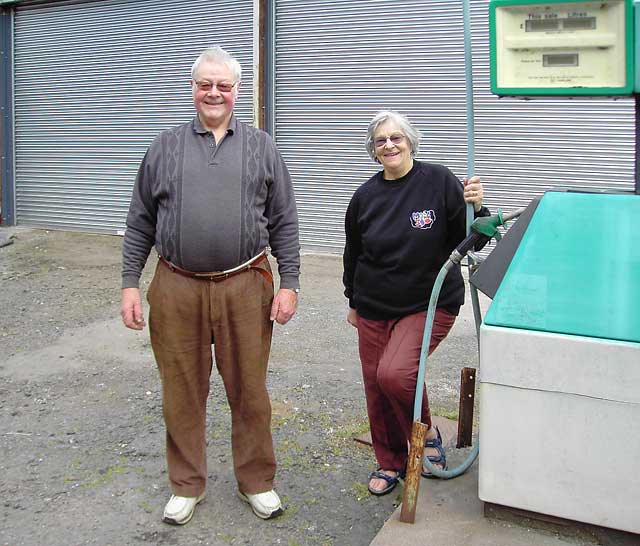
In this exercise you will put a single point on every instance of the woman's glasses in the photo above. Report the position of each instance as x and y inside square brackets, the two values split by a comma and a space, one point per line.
[394, 139]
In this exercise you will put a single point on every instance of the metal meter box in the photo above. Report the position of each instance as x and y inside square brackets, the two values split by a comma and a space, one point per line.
[561, 47]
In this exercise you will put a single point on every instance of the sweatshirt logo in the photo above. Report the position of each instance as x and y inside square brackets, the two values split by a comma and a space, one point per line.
[423, 219]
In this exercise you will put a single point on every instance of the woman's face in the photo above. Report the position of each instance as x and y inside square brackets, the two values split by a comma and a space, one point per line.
[393, 149]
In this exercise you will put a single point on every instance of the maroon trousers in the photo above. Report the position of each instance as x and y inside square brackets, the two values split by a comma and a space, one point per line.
[390, 357]
[186, 316]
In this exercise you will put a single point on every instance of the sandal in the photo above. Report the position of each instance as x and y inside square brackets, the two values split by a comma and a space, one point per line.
[392, 481]
[439, 459]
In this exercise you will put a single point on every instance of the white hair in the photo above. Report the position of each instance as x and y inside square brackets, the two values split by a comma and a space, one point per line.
[218, 55]
[403, 123]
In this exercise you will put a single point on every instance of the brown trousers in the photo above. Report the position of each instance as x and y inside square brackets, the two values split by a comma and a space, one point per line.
[390, 357]
[186, 316]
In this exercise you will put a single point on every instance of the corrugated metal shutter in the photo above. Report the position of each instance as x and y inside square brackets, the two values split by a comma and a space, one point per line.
[94, 83]
[337, 63]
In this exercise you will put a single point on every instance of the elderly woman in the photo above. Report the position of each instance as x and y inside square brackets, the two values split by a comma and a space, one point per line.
[401, 225]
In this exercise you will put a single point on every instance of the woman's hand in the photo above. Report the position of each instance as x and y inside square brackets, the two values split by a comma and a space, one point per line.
[352, 317]
[473, 192]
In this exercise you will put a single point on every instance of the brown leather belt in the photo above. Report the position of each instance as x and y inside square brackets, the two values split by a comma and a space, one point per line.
[219, 276]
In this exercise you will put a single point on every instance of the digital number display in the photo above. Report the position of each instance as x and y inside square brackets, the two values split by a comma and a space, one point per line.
[561, 23]
[560, 59]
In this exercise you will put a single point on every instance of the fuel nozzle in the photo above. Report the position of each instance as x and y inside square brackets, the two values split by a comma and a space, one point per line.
[482, 230]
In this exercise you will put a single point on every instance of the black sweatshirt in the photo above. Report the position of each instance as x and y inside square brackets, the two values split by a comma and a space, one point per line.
[399, 233]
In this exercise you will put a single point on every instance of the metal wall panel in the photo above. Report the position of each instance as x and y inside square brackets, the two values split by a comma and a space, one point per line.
[337, 63]
[94, 83]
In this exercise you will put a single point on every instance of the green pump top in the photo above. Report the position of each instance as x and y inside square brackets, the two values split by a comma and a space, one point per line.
[577, 269]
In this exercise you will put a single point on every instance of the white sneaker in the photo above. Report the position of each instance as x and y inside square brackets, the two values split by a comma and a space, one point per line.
[264, 505]
[179, 510]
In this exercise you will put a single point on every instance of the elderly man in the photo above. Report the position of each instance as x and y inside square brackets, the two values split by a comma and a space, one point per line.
[211, 195]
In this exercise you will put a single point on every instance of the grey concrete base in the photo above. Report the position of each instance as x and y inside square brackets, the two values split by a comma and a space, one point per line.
[449, 513]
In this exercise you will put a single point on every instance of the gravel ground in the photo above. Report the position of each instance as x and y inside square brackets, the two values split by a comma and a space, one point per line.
[81, 431]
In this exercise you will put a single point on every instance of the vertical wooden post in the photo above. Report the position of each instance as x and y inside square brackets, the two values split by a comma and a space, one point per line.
[465, 410]
[259, 63]
[414, 473]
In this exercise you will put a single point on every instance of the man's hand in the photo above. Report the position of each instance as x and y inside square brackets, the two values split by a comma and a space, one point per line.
[284, 305]
[131, 309]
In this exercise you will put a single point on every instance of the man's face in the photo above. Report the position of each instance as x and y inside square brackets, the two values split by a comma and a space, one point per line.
[214, 106]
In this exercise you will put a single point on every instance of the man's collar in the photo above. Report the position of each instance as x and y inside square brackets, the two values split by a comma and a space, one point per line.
[233, 124]
[199, 128]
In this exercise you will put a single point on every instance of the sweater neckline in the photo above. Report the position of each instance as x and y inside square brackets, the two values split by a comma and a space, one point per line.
[402, 179]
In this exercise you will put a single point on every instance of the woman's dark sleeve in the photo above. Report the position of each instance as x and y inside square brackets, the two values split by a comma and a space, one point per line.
[457, 213]
[352, 249]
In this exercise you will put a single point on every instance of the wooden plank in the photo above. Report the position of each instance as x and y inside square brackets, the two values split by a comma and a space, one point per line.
[448, 429]
[414, 471]
[364, 438]
[465, 412]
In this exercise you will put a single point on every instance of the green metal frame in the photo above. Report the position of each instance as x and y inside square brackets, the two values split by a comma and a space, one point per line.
[636, 23]
[627, 89]
[7, 181]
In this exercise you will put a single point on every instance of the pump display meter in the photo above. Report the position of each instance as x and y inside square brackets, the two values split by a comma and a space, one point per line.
[561, 47]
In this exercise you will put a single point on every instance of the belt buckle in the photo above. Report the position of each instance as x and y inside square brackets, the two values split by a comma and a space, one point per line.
[216, 277]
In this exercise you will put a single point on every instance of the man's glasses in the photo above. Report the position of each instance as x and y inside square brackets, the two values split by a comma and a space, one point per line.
[394, 139]
[223, 87]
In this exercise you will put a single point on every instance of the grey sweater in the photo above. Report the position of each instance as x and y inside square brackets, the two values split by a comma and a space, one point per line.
[209, 206]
